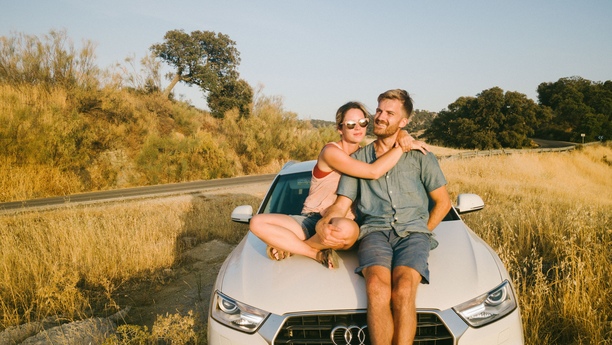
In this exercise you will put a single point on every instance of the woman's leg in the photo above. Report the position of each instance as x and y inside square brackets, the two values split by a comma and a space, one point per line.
[283, 233]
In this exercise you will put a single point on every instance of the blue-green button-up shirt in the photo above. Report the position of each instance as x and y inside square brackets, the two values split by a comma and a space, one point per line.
[399, 199]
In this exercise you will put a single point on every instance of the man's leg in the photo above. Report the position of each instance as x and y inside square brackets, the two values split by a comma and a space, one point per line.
[410, 269]
[380, 319]
[403, 301]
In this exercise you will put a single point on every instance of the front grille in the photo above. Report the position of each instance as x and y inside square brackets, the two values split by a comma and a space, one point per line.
[317, 330]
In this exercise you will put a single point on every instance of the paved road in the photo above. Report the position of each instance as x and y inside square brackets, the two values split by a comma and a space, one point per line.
[550, 144]
[138, 192]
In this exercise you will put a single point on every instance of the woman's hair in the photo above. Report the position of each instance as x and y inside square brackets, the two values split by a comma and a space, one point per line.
[400, 95]
[348, 106]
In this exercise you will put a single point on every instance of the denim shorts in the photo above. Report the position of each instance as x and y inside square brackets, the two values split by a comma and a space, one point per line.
[308, 222]
[385, 248]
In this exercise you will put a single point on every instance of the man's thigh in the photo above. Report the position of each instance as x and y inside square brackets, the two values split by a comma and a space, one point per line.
[375, 250]
[412, 251]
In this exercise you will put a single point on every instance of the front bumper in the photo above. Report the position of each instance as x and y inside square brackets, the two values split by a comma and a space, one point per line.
[506, 331]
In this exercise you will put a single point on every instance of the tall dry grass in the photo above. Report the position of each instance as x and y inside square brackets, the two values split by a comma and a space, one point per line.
[70, 261]
[547, 215]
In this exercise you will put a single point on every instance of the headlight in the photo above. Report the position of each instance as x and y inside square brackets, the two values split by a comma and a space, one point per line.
[236, 315]
[488, 307]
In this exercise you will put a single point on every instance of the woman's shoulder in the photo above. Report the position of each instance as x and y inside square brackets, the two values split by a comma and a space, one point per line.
[332, 144]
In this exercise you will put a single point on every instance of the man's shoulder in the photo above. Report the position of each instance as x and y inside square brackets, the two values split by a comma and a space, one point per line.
[419, 156]
[362, 152]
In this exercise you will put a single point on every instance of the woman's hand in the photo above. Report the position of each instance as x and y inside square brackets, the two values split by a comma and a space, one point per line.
[408, 143]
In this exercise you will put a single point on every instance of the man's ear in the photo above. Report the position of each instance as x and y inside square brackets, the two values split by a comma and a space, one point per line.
[403, 122]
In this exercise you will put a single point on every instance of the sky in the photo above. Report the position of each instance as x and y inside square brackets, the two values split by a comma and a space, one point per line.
[316, 55]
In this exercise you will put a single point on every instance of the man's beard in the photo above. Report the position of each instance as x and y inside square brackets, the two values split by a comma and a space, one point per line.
[387, 131]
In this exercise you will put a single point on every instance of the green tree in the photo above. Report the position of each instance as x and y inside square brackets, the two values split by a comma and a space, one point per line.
[236, 94]
[578, 106]
[203, 58]
[490, 120]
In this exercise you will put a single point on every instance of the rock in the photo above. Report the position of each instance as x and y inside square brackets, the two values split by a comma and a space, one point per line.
[89, 331]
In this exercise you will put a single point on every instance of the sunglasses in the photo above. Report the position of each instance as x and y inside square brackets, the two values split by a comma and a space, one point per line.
[351, 124]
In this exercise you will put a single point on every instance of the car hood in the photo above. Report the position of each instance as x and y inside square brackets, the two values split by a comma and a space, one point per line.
[461, 268]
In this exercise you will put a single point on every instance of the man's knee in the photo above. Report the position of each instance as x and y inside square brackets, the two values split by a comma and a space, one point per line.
[378, 283]
[406, 280]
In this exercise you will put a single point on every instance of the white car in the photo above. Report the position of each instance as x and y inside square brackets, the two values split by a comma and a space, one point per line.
[255, 300]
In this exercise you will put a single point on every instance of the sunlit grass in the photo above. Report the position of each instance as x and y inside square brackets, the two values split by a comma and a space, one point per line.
[548, 216]
[51, 260]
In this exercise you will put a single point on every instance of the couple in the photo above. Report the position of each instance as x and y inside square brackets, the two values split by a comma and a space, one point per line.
[390, 189]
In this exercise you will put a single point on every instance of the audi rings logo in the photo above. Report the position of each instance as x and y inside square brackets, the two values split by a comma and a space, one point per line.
[349, 335]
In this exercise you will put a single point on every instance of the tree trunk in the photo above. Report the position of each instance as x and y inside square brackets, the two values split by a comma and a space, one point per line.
[168, 89]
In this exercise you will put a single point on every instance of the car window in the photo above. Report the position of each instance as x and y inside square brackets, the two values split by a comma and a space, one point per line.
[288, 194]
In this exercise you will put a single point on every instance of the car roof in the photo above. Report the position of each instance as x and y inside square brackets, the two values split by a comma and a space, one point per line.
[293, 167]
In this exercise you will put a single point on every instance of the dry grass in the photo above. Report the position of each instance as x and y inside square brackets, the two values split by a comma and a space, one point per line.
[547, 215]
[70, 261]
[444, 151]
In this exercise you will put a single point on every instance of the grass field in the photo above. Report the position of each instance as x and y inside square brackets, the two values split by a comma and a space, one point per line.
[547, 215]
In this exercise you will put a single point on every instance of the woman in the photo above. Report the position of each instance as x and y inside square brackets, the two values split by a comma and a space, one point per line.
[286, 235]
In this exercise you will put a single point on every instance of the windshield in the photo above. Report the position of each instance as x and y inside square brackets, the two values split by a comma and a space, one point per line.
[289, 192]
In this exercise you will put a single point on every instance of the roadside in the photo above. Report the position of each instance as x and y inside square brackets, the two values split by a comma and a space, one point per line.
[188, 286]
[184, 288]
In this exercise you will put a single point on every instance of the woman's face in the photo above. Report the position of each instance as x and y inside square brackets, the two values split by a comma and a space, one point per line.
[353, 118]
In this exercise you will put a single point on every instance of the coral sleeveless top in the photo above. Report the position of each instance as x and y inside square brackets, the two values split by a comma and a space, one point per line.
[322, 193]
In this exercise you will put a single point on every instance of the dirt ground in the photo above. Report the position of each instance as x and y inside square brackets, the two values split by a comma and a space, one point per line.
[184, 288]
[188, 286]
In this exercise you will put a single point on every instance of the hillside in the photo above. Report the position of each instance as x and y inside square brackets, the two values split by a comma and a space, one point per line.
[59, 142]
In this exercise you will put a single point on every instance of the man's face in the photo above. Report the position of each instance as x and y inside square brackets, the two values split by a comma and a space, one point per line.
[390, 118]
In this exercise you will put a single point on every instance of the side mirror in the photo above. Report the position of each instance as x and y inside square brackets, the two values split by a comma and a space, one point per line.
[242, 214]
[469, 203]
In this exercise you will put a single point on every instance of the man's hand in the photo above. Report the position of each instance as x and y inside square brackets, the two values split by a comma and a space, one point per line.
[408, 143]
[325, 229]
[327, 233]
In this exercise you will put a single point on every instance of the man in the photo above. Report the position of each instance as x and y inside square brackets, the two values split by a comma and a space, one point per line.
[395, 235]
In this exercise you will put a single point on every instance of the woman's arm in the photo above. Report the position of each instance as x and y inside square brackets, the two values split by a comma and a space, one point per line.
[407, 142]
[338, 160]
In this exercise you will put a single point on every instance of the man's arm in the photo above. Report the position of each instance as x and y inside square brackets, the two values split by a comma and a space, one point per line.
[325, 229]
[442, 206]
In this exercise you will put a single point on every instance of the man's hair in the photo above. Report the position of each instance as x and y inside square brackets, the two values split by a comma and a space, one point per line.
[400, 95]
[341, 113]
